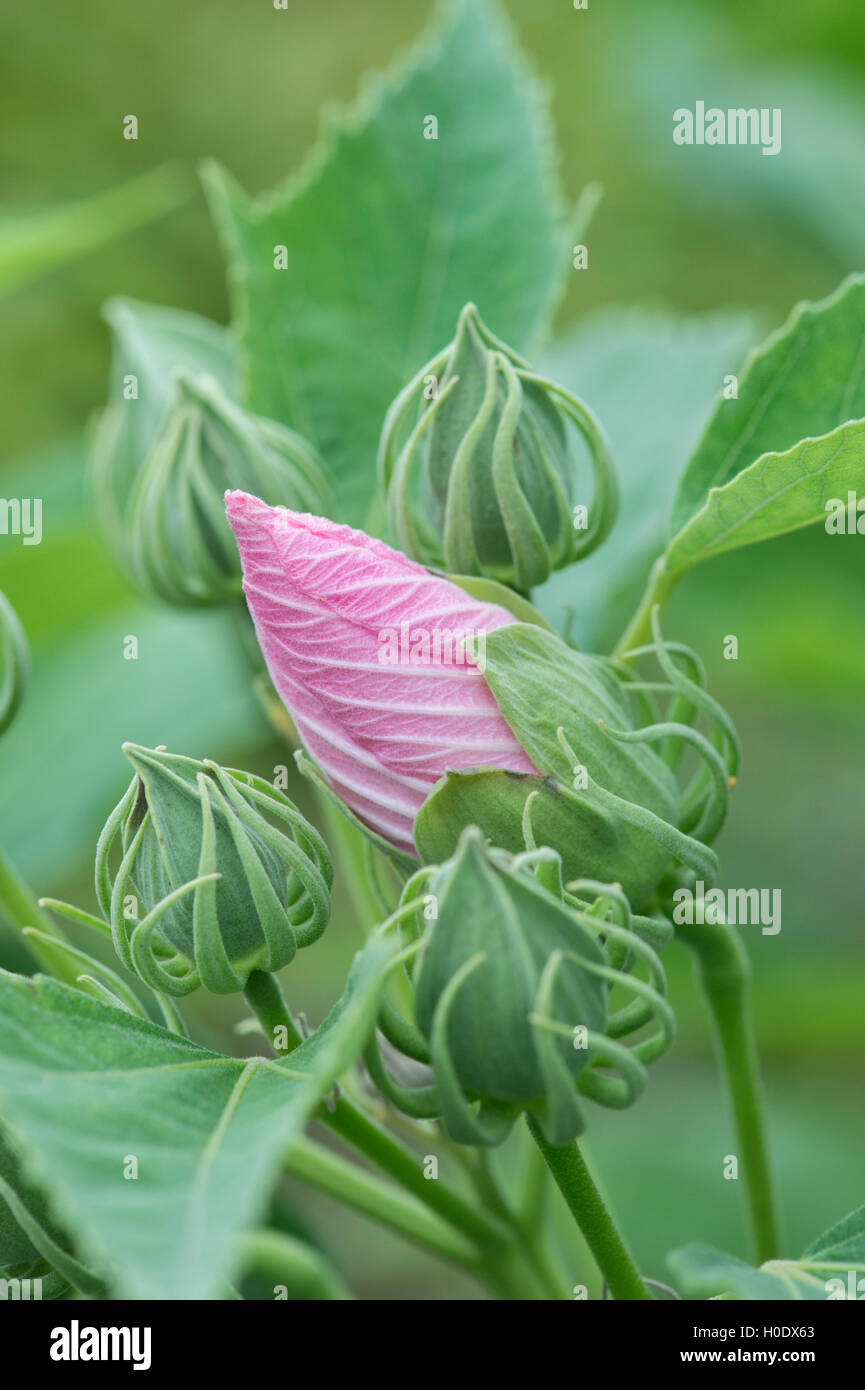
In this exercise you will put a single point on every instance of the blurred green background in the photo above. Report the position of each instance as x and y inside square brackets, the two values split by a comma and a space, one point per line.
[690, 261]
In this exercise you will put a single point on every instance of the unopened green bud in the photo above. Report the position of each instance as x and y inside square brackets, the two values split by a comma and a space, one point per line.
[477, 462]
[502, 951]
[174, 539]
[208, 889]
[14, 662]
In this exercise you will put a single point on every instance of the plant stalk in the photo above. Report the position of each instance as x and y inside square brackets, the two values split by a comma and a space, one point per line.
[659, 590]
[587, 1206]
[267, 1002]
[723, 970]
[328, 1172]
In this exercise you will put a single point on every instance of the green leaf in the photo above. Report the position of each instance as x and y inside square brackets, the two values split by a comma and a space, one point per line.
[843, 1243]
[777, 493]
[652, 378]
[15, 1245]
[32, 242]
[389, 234]
[805, 380]
[83, 1086]
[701, 1271]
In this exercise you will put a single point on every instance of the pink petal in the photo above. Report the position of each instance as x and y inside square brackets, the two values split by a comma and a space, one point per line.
[321, 595]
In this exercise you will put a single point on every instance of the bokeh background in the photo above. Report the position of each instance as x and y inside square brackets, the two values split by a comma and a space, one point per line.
[692, 259]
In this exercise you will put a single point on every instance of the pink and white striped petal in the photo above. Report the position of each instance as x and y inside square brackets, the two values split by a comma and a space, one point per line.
[366, 649]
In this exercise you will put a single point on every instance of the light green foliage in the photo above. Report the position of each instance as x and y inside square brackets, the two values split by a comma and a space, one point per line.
[778, 493]
[387, 234]
[207, 1131]
[831, 1267]
[770, 458]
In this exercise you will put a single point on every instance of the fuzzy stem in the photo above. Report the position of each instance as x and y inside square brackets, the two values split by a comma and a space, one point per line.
[327, 1171]
[265, 998]
[403, 1166]
[576, 1185]
[724, 973]
[659, 590]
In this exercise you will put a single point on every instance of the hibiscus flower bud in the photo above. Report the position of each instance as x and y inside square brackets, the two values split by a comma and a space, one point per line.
[480, 982]
[174, 539]
[208, 889]
[477, 462]
[606, 796]
[370, 654]
[13, 662]
[512, 991]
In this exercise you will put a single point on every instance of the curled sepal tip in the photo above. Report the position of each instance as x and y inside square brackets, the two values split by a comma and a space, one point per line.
[513, 978]
[218, 875]
[478, 467]
[171, 535]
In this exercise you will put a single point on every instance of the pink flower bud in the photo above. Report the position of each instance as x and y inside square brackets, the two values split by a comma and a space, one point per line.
[366, 649]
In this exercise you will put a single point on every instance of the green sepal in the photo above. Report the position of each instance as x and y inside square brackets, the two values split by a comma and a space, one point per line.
[167, 524]
[477, 465]
[589, 838]
[490, 591]
[542, 685]
[221, 891]
[477, 984]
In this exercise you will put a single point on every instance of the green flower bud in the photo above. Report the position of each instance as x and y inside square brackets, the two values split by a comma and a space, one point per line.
[14, 662]
[605, 798]
[480, 980]
[173, 537]
[476, 462]
[511, 996]
[208, 889]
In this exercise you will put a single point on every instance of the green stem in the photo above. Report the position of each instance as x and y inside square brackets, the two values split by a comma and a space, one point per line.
[498, 1250]
[266, 1000]
[532, 1217]
[529, 1224]
[304, 1272]
[658, 591]
[575, 1183]
[18, 903]
[327, 1171]
[724, 972]
[404, 1167]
